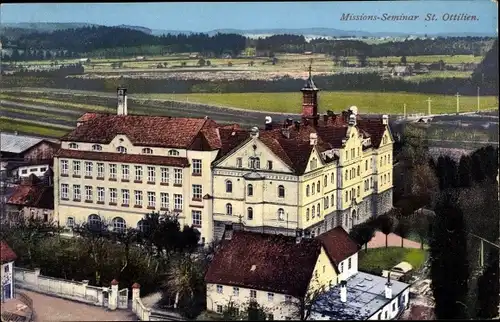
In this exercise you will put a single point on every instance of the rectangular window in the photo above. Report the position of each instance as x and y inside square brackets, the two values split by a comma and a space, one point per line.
[219, 309]
[88, 169]
[220, 289]
[239, 162]
[100, 194]
[196, 167]
[178, 177]
[177, 202]
[236, 291]
[77, 194]
[64, 167]
[88, 193]
[125, 197]
[269, 165]
[112, 171]
[197, 192]
[70, 222]
[112, 195]
[164, 200]
[25, 171]
[196, 218]
[64, 191]
[151, 174]
[100, 170]
[253, 294]
[125, 172]
[341, 267]
[270, 297]
[164, 175]
[138, 173]
[394, 306]
[138, 197]
[349, 264]
[151, 199]
[76, 168]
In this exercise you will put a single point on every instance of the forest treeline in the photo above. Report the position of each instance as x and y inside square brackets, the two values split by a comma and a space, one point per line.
[115, 41]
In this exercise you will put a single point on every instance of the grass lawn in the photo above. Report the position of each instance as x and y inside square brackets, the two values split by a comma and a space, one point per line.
[55, 103]
[10, 125]
[39, 113]
[367, 102]
[378, 259]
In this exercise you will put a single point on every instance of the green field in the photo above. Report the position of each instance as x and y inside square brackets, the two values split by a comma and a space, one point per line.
[367, 102]
[10, 125]
[378, 259]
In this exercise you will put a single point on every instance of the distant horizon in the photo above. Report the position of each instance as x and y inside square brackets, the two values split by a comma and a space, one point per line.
[205, 17]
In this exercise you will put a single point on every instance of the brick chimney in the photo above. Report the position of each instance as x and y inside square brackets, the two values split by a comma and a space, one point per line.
[388, 287]
[343, 291]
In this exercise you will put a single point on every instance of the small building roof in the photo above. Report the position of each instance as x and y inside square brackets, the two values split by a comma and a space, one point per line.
[6, 253]
[365, 297]
[338, 245]
[32, 193]
[266, 262]
[13, 143]
[401, 69]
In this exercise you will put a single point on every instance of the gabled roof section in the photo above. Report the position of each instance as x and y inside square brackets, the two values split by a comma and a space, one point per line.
[273, 263]
[34, 195]
[7, 255]
[158, 131]
[338, 245]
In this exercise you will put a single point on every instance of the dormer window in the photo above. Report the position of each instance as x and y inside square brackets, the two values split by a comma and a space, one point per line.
[96, 147]
[121, 149]
[147, 151]
[173, 152]
[73, 146]
[254, 162]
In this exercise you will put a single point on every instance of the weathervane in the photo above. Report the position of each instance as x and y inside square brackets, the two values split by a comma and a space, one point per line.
[310, 67]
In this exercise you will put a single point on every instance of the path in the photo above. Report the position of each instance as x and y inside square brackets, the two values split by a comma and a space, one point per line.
[393, 241]
[48, 308]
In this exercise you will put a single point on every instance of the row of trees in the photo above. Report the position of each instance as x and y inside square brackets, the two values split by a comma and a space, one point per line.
[86, 40]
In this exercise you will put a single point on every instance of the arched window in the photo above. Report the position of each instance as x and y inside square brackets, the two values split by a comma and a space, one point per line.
[94, 221]
[249, 213]
[332, 178]
[254, 162]
[173, 152]
[366, 165]
[332, 200]
[358, 191]
[143, 226]
[73, 146]
[147, 151]
[229, 209]
[229, 186]
[318, 209]
[307, 191]
[313, 188]
[325, 181]
[96, 147]
[318, 186]
[119, 224]
[346, 178]
[313, 211]
[307, 214]
[327, 202]
[281, 214]
[257, 163]
[121, 149]
[358, 170]
[389, 158]
[281, 191]
[249, 190]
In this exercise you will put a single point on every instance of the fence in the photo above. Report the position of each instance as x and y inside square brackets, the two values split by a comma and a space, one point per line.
[148, 314]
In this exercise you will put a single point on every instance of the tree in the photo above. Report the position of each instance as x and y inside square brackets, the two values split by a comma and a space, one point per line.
[362, 234]
[403, 60]
[420, 224]
[403, 229]
[336, 60]
[229, 64]
[424, 183]
[208, 63]
[380, 64]
[251, 63]
[183, 64]
[465, 172]
[184, 278]
[387, 223]
[487, 294]
[301, 307]
[362, 60]
[441, 64]
[127, 238]
[251, 311]
[448, 259]
[417, 66]
[201, 62]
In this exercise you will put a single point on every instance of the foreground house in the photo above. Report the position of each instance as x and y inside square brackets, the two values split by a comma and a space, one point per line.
[317, 173]
[284, 275]
[7, 258]
[278, 272]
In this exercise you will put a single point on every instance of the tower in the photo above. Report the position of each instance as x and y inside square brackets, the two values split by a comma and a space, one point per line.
[122, 101]
[310, 99]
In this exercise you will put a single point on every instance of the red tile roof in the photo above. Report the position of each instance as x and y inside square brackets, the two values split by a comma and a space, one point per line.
[88, 116]
[338, 245]
[295, 149]
[33, 195]
[273, 263]
[6, 253]
[158, 131]
[123, 158]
